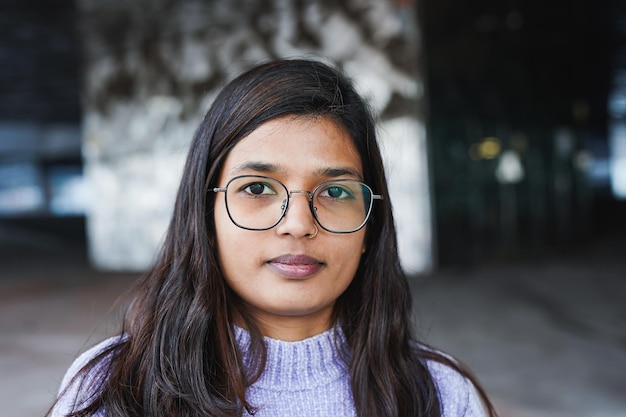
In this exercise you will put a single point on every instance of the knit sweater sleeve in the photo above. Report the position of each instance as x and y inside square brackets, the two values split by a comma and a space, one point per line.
[77, 391]
[457, 394]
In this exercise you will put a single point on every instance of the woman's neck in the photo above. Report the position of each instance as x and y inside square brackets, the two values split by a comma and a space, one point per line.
[289, 328]
[292, 329]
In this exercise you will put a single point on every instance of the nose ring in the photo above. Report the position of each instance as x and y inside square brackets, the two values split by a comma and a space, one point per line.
[314, 234]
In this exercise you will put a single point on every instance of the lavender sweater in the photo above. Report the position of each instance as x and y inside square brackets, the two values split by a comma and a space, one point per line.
[306, 378]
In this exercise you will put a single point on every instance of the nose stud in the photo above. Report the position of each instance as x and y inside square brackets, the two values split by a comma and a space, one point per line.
[314, 234]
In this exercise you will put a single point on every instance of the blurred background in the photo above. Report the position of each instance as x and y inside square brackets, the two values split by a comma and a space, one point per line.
[504, 129]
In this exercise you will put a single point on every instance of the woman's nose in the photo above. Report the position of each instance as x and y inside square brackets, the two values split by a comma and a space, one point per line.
[298, 220]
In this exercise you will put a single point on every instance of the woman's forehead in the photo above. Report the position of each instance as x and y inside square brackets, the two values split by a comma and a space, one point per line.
[296, 144]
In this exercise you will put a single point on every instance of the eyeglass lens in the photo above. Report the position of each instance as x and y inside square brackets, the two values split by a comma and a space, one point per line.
[255, 202]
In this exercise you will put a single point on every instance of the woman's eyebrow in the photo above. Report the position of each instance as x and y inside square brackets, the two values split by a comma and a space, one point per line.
[270, 168]
[334, 172]
[263, 167]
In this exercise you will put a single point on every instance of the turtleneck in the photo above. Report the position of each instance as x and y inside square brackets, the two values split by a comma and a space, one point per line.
[308, 377]
[305, 378]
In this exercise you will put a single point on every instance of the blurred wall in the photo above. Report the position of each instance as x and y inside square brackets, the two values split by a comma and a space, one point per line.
[152, 67]
[517, 95]
[40, 141]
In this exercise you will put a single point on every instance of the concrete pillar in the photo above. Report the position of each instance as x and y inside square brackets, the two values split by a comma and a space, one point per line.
[152, 67]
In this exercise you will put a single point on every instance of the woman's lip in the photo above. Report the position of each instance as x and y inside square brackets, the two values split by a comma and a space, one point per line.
[295, 266]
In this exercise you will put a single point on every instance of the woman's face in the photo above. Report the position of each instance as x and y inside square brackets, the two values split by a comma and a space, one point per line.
[288, 275]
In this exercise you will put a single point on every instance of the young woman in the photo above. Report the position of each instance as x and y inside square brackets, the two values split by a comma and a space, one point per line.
[278, 291]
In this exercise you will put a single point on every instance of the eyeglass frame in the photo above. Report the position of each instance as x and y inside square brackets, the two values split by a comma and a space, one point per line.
[310, 195]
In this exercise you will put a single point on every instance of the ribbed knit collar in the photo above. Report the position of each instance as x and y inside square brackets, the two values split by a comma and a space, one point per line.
[299, 365]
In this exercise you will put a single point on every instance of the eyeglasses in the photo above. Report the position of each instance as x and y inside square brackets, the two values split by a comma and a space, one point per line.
[256, 202]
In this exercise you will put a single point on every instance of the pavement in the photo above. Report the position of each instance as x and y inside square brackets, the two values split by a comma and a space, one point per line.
[544, 336]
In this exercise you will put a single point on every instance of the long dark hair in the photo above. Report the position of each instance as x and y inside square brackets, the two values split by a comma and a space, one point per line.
[179, 357]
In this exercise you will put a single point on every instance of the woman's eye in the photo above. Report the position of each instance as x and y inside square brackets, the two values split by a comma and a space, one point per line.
[336, 192]
[258, 188]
